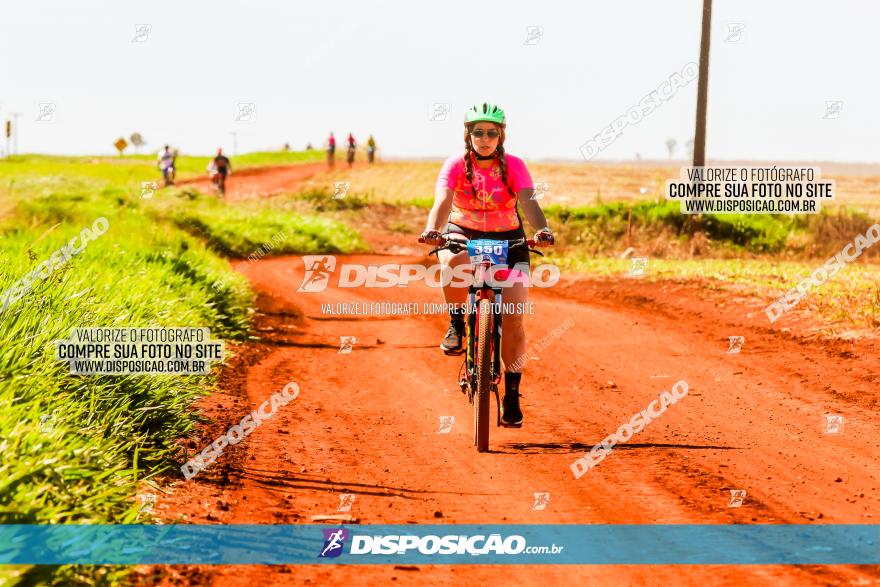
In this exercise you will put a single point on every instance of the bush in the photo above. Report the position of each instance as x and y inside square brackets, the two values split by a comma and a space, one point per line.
[603, 224]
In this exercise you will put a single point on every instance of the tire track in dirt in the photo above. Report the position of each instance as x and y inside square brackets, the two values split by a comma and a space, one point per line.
[366, 423]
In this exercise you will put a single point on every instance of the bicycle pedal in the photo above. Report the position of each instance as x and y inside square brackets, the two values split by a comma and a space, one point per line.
[453, 352]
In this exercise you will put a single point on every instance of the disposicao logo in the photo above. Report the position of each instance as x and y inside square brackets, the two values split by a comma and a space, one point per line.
[318, 269]
[334, 542]
[317, 272]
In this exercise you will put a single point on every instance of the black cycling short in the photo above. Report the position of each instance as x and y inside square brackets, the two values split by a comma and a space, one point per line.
[520, 255]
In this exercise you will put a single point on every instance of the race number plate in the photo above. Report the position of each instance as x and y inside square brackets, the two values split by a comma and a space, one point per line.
[482, 250]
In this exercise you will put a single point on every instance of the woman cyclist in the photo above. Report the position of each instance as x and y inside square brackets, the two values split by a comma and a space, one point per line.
[351, 149]
[331, 150]
[371, 149]
[476, 197]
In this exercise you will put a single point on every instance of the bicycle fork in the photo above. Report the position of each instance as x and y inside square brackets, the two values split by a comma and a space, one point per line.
[469, 383]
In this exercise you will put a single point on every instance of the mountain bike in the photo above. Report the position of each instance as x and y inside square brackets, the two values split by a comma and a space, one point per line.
[218, 180]
[481, 372]
[168, 175]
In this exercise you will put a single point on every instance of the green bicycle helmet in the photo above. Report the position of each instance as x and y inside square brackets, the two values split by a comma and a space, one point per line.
[485, 113]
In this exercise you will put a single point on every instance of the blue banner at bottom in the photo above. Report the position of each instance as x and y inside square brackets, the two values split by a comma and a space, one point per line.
[686, 544]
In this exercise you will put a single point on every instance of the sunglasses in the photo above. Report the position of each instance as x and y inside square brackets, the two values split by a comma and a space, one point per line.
[479, 133]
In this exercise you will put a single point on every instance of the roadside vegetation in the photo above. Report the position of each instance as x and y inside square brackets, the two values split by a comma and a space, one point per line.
[84, 449]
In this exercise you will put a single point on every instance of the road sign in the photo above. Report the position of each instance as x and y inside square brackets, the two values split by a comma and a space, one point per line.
[120, 144]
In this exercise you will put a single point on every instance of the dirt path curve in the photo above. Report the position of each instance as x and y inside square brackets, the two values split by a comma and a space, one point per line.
[265, 182]
[367, 423]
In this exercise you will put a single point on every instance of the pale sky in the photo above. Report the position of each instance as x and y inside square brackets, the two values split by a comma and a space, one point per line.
[378, 67]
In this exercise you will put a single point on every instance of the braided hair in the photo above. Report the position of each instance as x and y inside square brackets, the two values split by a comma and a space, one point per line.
[468, 164]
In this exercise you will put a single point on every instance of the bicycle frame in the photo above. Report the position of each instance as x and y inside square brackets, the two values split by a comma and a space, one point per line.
[496, 299]
[482, 364]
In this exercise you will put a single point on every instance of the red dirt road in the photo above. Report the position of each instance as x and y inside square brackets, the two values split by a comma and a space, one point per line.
[367, 423]
[264, 182]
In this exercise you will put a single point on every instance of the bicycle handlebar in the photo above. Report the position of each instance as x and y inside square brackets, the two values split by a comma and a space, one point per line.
[458, 245]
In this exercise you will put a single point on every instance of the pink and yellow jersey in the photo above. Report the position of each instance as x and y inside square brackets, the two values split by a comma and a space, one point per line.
[486, 204]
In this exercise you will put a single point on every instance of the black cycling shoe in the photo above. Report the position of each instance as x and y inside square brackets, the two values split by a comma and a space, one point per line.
[451, 344]
[511, 414]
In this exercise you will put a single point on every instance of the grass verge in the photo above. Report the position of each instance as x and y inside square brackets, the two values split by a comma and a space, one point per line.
[238, 230]
[79, 449]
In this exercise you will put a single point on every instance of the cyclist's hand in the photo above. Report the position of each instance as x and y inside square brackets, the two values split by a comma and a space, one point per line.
[431, 237]
[544, 237]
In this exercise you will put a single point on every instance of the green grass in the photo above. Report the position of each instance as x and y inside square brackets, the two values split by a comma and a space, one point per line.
[238, 230]
[188, 165]
[108, 435]
[602, 226]
[49, 171]
[603, 222]
[321, 200]
[423, 203]
[280, 157]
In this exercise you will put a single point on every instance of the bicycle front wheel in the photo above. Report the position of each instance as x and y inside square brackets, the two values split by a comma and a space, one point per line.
[484, 377]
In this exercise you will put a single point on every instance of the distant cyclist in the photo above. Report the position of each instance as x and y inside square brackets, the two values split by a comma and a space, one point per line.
[371, 149]
[476, 197]
[167, 159]
[351, 148]
[331, 150]
[219, 169]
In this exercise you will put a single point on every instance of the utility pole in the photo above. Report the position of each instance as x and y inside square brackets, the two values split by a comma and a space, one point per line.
[15, 116]
[703, 87]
